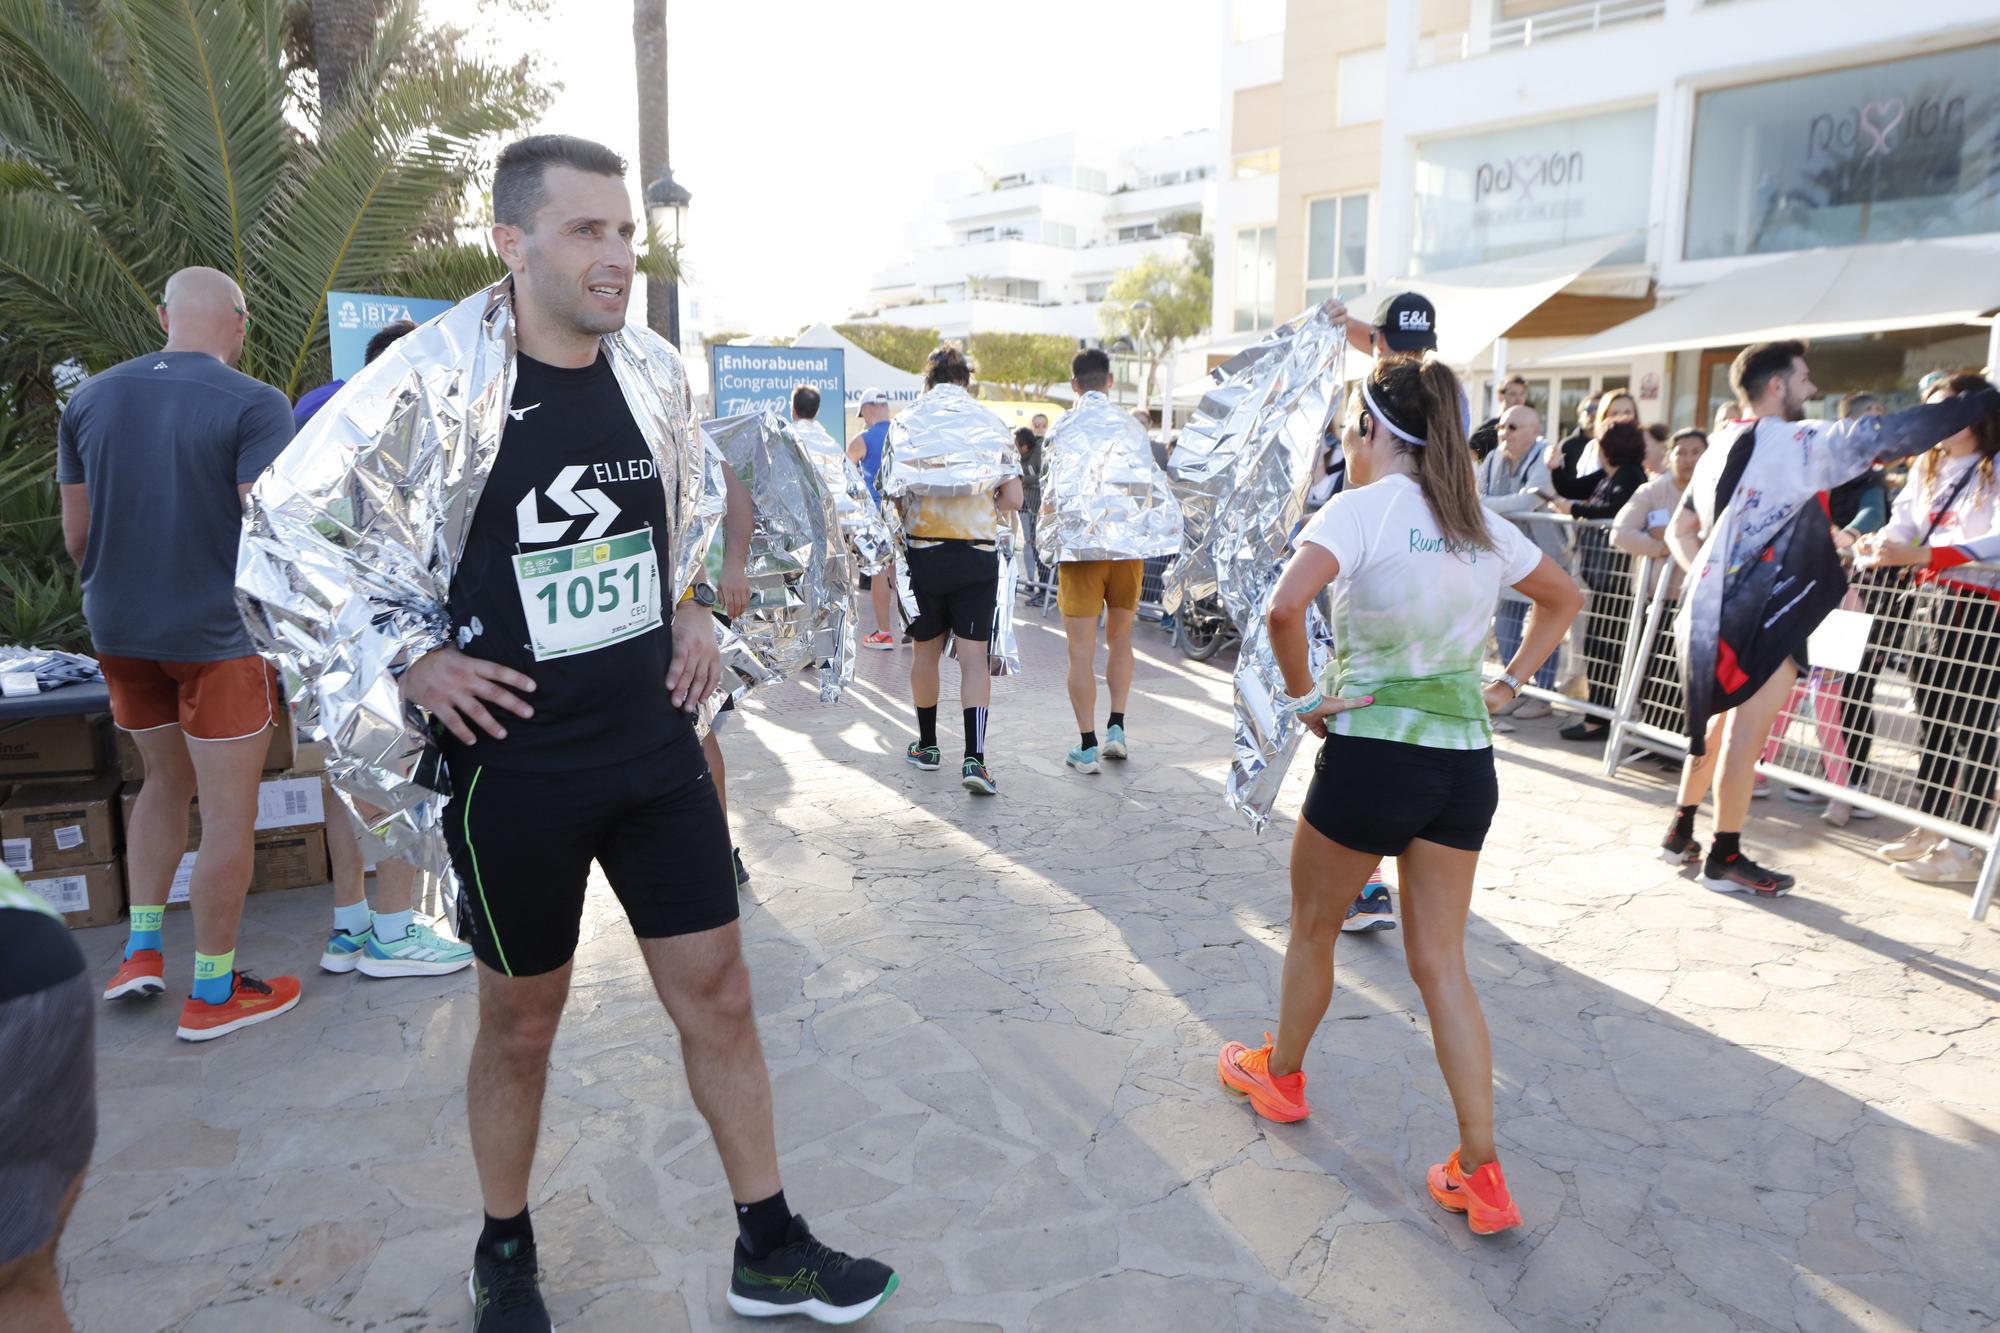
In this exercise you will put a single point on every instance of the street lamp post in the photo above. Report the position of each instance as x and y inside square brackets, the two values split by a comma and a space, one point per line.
[1144, 310]
[667, 203]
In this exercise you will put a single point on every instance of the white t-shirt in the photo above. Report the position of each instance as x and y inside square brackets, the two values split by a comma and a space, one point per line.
[1411, 614]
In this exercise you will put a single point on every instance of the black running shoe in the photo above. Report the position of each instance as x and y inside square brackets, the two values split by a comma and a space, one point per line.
[1739, 874]
[1585, 730]
[506, 1291]
[805, 1277]
[742, 871]
[1680, 849]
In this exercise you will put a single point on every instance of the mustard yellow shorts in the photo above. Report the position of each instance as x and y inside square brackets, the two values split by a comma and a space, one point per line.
[1084, 587]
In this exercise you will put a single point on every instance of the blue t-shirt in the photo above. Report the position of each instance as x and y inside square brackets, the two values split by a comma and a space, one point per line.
[871, 462]
[162, 442]
[312, 400]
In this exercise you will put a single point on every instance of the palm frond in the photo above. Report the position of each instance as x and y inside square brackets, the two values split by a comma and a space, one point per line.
[59, 286]
[211, 71]
[447, 272]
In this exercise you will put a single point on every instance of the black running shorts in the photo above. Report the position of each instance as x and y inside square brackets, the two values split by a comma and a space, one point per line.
[522, 844]
[1380, 796]
[957, 587]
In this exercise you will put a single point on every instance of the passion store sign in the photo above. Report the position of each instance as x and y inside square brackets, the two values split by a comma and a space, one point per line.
[1899, 150]
[1482, 197]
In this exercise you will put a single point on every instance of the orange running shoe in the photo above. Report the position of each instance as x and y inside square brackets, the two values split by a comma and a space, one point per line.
[1247, 1073]
[1481, 1196]
[252, 1000]
[141, 974]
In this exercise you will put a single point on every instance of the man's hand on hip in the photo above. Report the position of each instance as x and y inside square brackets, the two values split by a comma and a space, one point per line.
[697, 663]
[456, 689]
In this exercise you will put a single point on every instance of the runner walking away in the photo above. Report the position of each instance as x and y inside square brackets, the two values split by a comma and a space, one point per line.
[865, 449]
[48, 1108]
[387, 939]
[1407, 767]
[1030, 440]
[955, 577]
[159, 593]
[734, 544]
[1947, 516]
[567, 732]
[1106, 508]
[1741, 643]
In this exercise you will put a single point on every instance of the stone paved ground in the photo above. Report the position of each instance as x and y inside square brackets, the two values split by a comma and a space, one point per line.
[992, 1026]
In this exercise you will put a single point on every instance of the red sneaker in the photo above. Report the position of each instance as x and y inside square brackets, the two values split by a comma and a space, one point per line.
[1247, 1073]
[251, 1001]
[1481, 1196]
[140, 975]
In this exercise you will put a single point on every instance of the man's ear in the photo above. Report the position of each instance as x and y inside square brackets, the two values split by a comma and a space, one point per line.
[508, 242]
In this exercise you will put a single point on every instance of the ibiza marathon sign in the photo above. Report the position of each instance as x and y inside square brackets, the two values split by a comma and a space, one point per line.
[352, 318]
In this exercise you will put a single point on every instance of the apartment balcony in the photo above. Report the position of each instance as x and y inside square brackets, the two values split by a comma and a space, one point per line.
[1180, 197]
[1062, 202]
[1492, 32]
[1102, 261]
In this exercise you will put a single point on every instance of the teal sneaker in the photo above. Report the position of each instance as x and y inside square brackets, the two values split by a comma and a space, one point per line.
[344, 949]
[1082, 760]
[422, 952]
[1114, 743]
[974, 778]
[926, 757]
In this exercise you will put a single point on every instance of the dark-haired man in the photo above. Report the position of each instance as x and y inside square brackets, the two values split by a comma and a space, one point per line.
[1107, 508]
[561, 654]
[1752, 533]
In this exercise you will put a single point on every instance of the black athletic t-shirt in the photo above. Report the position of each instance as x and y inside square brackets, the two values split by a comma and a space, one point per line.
[564, 578]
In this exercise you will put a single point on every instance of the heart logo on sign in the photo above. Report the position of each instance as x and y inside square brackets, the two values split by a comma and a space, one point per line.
[1880, 134]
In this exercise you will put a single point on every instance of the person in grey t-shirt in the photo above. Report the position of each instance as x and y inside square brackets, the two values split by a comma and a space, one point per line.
[153, 457]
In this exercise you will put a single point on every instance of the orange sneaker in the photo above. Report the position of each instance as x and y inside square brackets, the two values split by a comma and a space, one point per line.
[1247, 1073]
[141, 974]
[252, 1000]
[1481, 1196]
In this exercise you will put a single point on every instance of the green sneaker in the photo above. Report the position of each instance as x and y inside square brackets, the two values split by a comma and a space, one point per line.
[974, 778]
[1114, 743]
[422, 952]
[344, 949]
[926, 757]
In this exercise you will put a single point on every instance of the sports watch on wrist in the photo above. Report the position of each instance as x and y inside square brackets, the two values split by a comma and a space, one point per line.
[701, 594]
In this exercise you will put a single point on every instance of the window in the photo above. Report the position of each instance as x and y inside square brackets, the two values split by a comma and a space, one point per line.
[1865, 155]
[979, 235]
[1336, 247]
[1059, 233]
[1256, 279]
[1263, 163]
[1142, 231]
[1363, 86]
[1096, 291]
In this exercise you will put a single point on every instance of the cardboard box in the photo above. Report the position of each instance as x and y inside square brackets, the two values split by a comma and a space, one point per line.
[289, 858]
[45, 748]
[279, 758]
[85, 895]
[282, 803]
[59, 825]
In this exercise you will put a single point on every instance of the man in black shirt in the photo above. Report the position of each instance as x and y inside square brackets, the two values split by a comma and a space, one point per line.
[566, 702]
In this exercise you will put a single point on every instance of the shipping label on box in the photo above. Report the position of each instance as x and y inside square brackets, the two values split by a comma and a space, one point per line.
[54, 826]
[85, 895]
[281, 803]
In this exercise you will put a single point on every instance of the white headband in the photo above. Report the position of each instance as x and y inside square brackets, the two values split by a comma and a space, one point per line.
[1375, 411]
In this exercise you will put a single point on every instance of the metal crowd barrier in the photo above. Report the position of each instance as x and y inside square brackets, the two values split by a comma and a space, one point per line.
[1592, 663]
[1900, 716]
[1037, 586]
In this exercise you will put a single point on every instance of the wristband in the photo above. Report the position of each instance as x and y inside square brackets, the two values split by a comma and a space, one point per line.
[1308, 703]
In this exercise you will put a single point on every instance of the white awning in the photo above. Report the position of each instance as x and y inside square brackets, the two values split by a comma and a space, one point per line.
[863, 370]
[1480, 302]
[1814, 294]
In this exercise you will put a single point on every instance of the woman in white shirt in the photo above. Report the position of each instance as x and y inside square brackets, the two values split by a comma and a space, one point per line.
[1946, 516]
[1415, 564]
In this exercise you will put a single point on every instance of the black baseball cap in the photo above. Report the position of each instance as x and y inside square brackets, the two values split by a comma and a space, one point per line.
[1408, 323]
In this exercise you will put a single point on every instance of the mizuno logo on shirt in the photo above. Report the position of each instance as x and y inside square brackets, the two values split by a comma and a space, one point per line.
[519, 412]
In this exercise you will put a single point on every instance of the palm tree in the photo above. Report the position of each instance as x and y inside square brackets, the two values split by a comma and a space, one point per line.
[342, 32]
[154, 134]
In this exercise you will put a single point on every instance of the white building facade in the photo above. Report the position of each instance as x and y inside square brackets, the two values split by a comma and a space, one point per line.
[1698, 139]
[1029, 238]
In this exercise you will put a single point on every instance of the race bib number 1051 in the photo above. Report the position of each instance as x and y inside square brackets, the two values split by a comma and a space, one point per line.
[590, 595]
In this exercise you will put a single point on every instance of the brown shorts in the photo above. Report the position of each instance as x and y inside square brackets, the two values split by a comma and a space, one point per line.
[1085, 587]
[231, 700]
